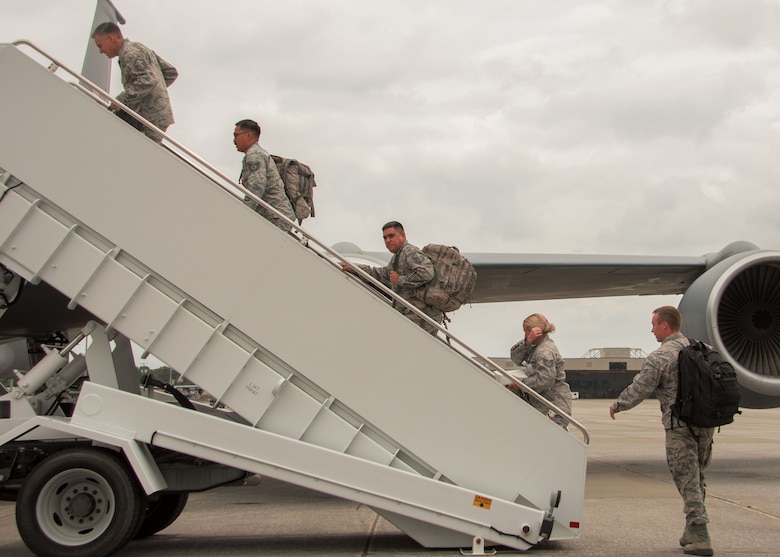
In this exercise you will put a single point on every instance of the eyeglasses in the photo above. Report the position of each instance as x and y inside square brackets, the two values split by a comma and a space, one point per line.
[239, 133]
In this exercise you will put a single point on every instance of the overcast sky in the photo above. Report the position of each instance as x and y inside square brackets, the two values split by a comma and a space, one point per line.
[614, 127]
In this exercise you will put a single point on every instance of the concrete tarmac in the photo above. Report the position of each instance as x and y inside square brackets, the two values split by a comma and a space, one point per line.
[631, 505]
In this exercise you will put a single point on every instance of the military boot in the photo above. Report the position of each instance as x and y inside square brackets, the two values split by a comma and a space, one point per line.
[701, 544]
[687, 537]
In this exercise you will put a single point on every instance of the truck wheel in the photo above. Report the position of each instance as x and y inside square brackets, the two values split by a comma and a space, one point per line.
[79, 503]
[161, 512]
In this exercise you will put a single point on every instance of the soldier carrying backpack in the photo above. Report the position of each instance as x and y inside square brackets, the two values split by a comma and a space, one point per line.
[409, 270]
[435, 279]
[688, 449]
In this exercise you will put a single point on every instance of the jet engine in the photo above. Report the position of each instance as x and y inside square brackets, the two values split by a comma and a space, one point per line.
[735, 307]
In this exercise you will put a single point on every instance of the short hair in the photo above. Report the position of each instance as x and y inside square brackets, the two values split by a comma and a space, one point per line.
[539, 320]
[249, 126]
[107, 28]
[394, 224]
[671, 315]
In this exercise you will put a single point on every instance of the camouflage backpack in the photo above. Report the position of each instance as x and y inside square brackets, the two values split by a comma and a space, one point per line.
[454, 281]
[299, 185]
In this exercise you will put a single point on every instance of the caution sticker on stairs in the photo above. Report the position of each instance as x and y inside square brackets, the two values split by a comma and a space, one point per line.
[483, 502]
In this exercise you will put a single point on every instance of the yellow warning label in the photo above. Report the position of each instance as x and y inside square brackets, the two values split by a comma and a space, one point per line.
[483, 502]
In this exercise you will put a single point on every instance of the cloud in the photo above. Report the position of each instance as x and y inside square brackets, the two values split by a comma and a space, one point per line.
[733, 23]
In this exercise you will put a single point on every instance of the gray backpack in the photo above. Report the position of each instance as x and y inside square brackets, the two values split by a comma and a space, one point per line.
[299, 185]
[454, 281]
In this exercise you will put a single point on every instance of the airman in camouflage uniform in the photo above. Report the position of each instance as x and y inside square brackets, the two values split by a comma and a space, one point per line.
[688, 451]
[409, 269]
[543, 366]
[145, 77]
[260, 176]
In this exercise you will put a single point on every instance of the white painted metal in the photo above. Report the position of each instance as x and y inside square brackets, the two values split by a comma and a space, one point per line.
[131, 422]
[160, 254]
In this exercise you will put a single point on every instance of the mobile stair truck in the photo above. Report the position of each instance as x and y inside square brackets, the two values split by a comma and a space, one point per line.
[120, 240]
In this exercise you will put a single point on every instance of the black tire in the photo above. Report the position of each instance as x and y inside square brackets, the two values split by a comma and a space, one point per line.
[79, 503]
[161, 512]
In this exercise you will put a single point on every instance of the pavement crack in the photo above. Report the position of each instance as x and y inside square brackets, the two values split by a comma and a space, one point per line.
[370, 536]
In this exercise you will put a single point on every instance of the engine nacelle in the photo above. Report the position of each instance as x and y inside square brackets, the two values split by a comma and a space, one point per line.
[735, 307]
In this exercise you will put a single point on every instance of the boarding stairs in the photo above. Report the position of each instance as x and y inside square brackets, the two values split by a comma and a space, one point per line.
[336, 391]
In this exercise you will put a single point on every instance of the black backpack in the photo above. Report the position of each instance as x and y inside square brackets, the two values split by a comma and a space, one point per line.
[707, 389]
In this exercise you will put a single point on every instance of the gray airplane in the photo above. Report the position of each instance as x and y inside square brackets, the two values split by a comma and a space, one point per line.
[731, 298]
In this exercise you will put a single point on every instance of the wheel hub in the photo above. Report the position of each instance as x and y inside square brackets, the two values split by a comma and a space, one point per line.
[75, 507]
[82, 504]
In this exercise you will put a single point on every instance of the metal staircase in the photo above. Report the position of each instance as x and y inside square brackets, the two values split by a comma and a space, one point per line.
[238, 371]
[338, 390]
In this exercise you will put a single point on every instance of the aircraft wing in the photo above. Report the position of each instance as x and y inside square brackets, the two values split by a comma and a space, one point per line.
[516, 277]
[731, 298]
[520, 277]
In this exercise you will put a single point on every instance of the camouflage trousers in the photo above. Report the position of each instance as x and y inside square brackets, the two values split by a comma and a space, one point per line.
[687, 457]
[149, 132]
[275, 219]
[433, 313]
[154, 135]
[563, 404]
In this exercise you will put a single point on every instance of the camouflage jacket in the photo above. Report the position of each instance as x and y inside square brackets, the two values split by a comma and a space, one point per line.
[415, 270]
[145, 78]
[658, 375]
[260, 176]
[544, 372]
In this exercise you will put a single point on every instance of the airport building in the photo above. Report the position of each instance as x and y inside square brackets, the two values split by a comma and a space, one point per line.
[599, 373]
